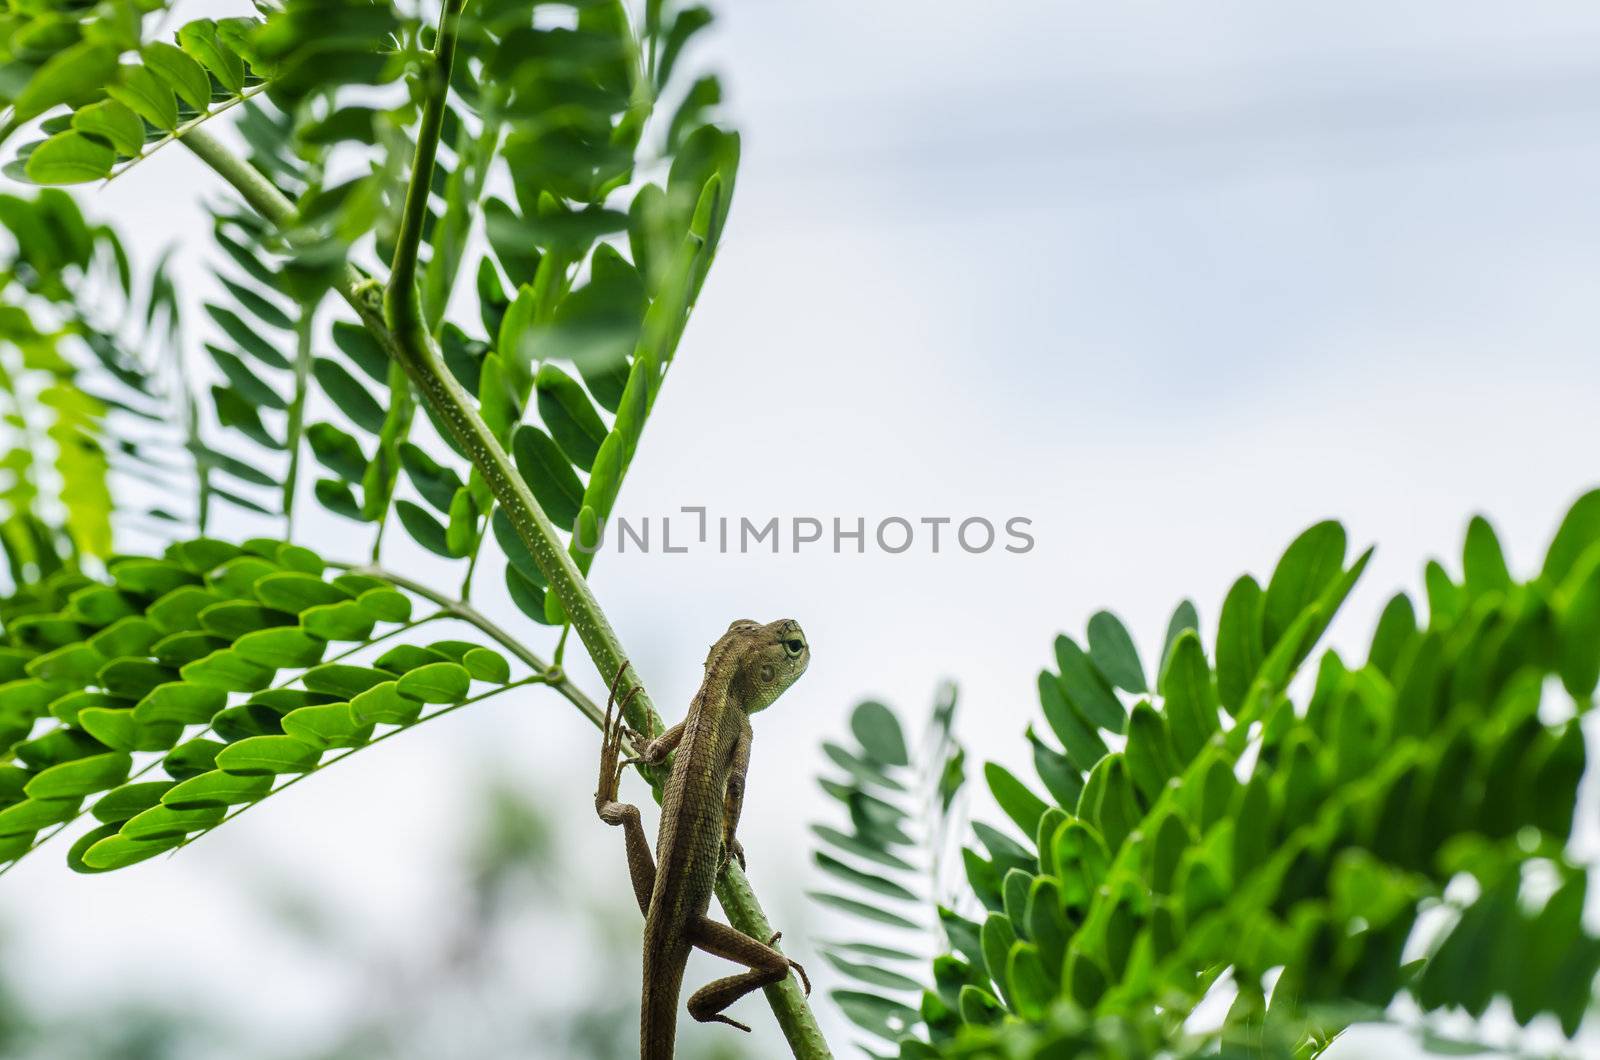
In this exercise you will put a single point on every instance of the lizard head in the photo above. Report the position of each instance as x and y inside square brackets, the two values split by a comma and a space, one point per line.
[765, 659]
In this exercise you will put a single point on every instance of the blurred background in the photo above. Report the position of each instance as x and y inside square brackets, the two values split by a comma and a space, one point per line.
[1171, 281]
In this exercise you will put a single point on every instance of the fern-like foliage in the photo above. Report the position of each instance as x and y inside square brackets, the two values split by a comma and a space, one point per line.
[127, 96]
[891, 865]
[1197, 823]
[80, 406]
[591, 263]
[180, 689]
[601, 207]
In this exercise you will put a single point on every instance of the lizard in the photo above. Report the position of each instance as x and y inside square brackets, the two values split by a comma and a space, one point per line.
[747, 669]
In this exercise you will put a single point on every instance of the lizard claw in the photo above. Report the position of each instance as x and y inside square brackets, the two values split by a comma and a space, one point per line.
[720, 1018]
[805, 980]
[635, 738]
[733, 850]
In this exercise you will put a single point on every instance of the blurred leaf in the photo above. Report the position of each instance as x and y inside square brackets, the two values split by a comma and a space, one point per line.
[879, 732]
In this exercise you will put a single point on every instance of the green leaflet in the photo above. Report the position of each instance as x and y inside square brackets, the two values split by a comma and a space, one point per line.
[424, 529]
[348, 620]
[118, 851]
[142, 92]
[1112, 651]
[1578, 631]
[127, 801]
[111, 121]
[215, 789]
[327, 726]
[294, 592]
[342, 680]
[548, 474]
[486, 664]
[1082, 742]
[236, 618]
[279, 648]
[69, 158]
[186, 77]
[181, 702]
[461, 533]
[337, 451]
[1240, 647]
[267, 755]
[201, 40]
[1087, 688]
[166, 823]
[227, 670]
[383, 704]
[879, 732]
[249, 338]
[1579, 530]
[406, 657]
[437, 483]
[351, 398]
[68, 75]
[1020, 804]
[568, 413]
[85, 776]
[31, 815]
[441, 682]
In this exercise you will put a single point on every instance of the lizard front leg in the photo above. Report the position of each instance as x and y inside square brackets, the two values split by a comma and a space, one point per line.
[655, 751]
[733, 797]
[641, 863]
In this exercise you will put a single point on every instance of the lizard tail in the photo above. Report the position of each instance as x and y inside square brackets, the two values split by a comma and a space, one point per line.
[658, 1010]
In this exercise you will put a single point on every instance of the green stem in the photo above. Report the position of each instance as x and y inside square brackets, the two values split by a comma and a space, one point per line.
[262, 195]
[403, 271]
[409, 341]
[463, 190]
[297, 410]
[477, 551]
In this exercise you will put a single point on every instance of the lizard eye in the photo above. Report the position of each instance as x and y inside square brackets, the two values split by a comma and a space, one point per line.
[794, 646]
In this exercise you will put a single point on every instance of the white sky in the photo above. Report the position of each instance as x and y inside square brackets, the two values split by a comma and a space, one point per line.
[1172, 280]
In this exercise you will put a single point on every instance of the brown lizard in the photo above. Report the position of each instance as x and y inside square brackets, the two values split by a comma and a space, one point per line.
[748, 668]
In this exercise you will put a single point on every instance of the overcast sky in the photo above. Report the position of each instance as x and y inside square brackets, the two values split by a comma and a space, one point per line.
[1172, 281]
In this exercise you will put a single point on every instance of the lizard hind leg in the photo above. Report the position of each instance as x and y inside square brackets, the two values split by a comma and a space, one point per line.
[767, 966]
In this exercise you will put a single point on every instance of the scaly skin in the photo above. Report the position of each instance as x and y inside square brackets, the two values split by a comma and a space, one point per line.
[749, 667]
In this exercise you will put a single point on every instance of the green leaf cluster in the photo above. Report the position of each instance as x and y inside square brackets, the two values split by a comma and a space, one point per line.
[180, 689]
[124, 95]
[591, 269]
[1198, 820]
[582, 296]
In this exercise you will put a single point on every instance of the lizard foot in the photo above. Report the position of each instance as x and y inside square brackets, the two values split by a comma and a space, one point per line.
[805, 980]
[733, 851]
[720, 1018]
[611, 734]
